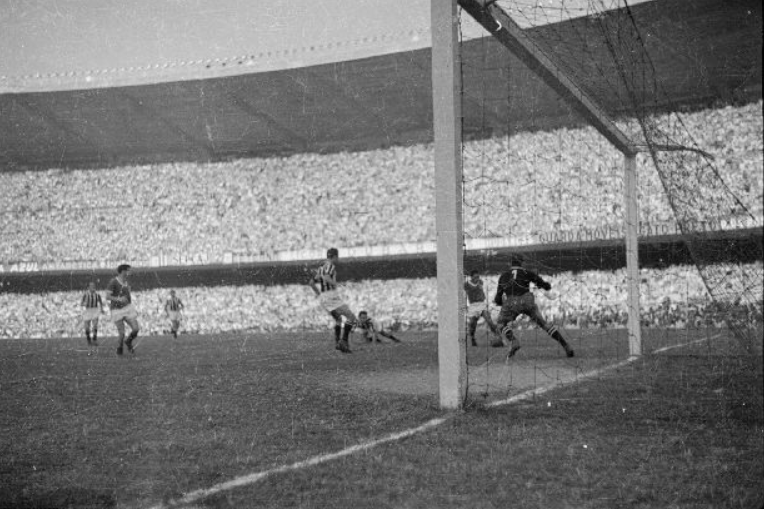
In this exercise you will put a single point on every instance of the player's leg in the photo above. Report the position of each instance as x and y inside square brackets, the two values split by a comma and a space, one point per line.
[86, 325]
[489, 321]
[550, 329]
[507, 316]
[132, 321]
[94, 331]
[472, 322]
[174, 326]
[337, 327]
[389, 335]
[350, 321]
[120, 324]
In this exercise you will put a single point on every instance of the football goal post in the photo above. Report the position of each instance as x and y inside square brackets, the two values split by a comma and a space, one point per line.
[447, 127]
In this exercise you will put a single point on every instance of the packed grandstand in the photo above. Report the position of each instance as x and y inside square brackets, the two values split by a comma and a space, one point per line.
[142, 214]
[255, 208]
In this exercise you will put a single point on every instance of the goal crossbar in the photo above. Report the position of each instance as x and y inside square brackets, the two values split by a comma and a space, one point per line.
[501, 26]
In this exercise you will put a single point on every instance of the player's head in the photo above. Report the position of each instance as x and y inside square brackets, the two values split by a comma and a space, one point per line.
[124, 269]
[474, 275]
[172, 293]
[517, 260]
[91, 286]
[362, 315]
[332, 254]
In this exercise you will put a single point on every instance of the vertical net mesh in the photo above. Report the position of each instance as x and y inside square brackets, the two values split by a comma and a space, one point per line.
[540, 180]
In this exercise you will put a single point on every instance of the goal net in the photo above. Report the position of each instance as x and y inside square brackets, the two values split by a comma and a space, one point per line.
[540, 180]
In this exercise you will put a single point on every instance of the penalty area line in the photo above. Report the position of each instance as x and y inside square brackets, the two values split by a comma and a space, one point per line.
[238, 482]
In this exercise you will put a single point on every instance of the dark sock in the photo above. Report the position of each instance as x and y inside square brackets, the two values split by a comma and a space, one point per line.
[346, 331]
[337, 330]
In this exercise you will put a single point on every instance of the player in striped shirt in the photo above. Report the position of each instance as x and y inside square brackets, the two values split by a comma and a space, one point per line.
[122, 310]
[172, 309]
[324, 285]
[92, 308]
[477, 306]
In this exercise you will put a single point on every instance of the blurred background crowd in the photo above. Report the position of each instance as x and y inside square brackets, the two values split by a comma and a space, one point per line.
[671, 297]
[566, 179]
[517, 187]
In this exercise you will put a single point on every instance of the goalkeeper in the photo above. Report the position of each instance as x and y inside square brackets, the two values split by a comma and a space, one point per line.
[515, 298]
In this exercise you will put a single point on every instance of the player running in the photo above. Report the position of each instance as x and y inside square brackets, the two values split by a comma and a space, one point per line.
[371, 330]
[324, 285]
[515, 298]
[92, 308]
[172, 309]
[477, 306]
[122, 310]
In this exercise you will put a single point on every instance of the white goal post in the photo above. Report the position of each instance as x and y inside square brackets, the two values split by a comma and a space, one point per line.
[447, 129]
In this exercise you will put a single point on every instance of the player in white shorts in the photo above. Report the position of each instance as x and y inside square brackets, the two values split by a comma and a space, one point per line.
[173, 308]
[324, 284]
[92, 308]
[477, 307]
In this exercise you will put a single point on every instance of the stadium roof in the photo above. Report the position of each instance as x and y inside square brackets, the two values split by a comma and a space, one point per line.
[158, 82]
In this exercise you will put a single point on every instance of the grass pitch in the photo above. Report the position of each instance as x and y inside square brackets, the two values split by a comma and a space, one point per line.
[683, 428]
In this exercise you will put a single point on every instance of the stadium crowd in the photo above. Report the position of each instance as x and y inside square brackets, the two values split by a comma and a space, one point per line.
[670, 297]
[566, 179]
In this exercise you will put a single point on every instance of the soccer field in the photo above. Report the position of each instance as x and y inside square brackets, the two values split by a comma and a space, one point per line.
[680, 427]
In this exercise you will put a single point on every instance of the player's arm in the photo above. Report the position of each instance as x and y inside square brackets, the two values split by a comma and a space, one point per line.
[499, 298]
[312, 283]
[538, 281]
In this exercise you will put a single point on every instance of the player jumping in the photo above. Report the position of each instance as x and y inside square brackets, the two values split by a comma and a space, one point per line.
[92, 308]
[371, 330]
[172, 309]
[515, 298]
[122, 310]
[324, 284]
[477, 307]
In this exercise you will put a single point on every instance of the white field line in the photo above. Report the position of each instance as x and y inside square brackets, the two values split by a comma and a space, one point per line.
[195, 496]
[588, 374]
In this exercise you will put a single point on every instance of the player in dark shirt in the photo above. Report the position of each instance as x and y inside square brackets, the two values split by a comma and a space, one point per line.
[477, 307]
[515, 298]
[122, 310]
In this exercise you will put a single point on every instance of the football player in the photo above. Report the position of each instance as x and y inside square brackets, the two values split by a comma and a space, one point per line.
[477, 307]
[515, 298]
[371, 330]
[324, 285]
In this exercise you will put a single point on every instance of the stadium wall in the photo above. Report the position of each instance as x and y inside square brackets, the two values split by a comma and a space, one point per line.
[747, 245]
